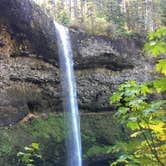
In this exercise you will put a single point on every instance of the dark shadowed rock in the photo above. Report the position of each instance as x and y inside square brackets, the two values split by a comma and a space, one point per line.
[26, 18]
[11, 115]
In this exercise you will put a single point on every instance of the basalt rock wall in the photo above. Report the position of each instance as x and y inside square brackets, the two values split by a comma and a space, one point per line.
[29, 69]
[101, 64]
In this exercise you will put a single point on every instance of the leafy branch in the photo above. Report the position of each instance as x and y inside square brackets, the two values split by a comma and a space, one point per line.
[146, 119]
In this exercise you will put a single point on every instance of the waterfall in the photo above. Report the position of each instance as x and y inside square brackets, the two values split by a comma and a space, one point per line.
[73, 142]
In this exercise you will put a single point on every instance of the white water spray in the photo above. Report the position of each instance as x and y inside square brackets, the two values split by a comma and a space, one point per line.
[73, 143]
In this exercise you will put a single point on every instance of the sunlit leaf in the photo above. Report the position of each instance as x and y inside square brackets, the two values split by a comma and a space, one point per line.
[135, 134]
[163, 138]
[132, 125]
[137, 102]
[151, 35]
[157, 127]
[121, 111]
[28, 148]
[35, 146]
[160, 84]
[115, 97]
[146, 88]
[161, 66]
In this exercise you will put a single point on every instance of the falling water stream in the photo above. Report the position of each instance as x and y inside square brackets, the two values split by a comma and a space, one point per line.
[73, 142]
[69, 95]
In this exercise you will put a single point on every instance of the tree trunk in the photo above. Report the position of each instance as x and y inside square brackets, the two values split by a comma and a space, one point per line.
[70, 7]
[76, 11]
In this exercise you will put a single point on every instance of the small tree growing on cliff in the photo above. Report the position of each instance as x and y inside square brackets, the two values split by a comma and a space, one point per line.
[146, 120]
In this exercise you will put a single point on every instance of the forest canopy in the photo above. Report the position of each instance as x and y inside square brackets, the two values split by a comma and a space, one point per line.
[108, 16]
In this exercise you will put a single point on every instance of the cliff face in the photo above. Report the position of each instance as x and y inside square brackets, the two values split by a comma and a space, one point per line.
[24, 16]
[29, 64]
[102, 64]
[27, 83]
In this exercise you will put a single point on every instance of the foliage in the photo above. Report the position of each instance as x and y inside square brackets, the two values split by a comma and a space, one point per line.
[47, 128]
[48, 131]
[30, 154]
[145, 119]
[63, 18]
[97, 150]
[96, 138]
[126, 16]
[156, 42]
[5, 145]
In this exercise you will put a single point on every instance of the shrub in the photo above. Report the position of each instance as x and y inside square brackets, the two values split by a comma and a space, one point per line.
[146, 119]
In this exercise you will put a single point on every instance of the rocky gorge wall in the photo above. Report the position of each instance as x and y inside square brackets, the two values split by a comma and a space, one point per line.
[29, 65]
[27, 83]
[101, 64]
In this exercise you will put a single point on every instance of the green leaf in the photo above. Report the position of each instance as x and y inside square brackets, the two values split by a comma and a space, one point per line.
[28, 149]
[121, 112]
[158, 48]
[131, 92]
[151, 36]
[161, 32]
[146, 88]
[135, 134]
[160, 84]
[132, 125]
[137, 102]
[20, 153]
[161, 66]
[116, 97]
[154, 106]
[35, 146]
[132, 158]
[156, 44]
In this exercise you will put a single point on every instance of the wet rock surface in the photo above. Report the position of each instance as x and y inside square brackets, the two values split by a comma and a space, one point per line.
[29, 74]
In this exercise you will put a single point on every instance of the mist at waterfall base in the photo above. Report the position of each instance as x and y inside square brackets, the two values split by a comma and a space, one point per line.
[69, 96]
